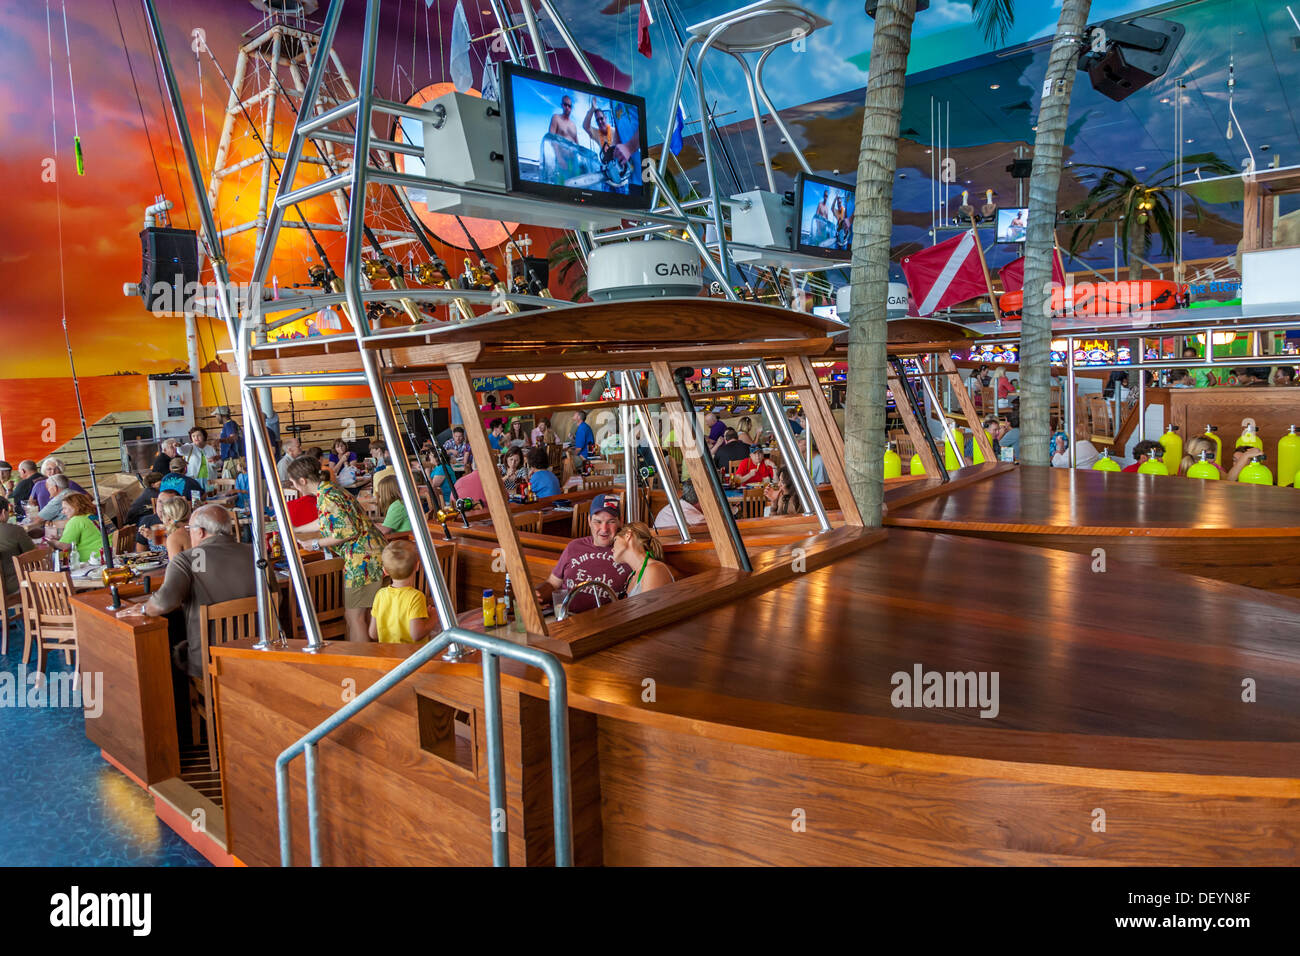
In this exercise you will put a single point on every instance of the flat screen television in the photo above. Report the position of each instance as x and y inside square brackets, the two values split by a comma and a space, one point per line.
[1012, 224]
[572, 141]
[825, 217]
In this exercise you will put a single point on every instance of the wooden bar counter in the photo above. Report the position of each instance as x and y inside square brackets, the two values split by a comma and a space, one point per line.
[137, 729]
[1239, 533]
[767, 730]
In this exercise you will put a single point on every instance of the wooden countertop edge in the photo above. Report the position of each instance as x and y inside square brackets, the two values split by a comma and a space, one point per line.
[1092, 531]
[529, 681]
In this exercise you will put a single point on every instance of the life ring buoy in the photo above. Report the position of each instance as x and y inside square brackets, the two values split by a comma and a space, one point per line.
[1104, 298]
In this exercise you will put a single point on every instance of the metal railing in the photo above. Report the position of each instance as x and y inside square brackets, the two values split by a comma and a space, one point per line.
[492, 648]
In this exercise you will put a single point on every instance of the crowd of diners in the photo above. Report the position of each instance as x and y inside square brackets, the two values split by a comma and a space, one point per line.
[179, 512]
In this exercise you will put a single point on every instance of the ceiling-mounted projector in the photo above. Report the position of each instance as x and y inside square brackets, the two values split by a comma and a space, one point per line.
[642, 270]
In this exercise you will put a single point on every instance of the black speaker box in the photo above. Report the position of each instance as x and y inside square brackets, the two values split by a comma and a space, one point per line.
[169, 272]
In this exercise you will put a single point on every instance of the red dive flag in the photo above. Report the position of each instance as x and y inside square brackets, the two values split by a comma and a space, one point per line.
[643, 28]
[1013, 273]
[946, 274]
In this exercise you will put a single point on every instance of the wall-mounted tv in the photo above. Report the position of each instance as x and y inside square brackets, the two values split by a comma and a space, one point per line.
[825, 217]
[572, 141]
[1012, 224]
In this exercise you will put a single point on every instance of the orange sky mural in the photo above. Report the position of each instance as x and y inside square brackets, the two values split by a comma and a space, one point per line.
[102, 211]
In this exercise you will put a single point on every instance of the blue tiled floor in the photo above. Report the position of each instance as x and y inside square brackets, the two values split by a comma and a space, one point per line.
[61, 804]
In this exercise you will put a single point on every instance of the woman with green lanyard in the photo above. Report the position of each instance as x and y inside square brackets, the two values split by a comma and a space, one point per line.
[636, 546]
[200, 457]
[343, 527]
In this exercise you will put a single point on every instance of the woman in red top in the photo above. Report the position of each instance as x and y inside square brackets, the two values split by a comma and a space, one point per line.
[754, 468]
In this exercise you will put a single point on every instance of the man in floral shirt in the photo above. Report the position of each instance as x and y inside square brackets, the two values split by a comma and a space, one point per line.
[345, 529]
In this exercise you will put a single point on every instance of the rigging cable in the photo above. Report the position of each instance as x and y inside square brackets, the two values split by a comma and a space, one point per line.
[76, 130]
[63, 300]
[157, 75]
[139, 101]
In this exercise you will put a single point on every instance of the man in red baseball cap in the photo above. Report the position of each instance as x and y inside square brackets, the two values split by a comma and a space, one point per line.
[590, 558]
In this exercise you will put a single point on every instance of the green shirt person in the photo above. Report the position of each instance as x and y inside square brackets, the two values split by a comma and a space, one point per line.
[81, 532]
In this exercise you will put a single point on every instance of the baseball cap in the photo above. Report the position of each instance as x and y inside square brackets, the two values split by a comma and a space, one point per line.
[608, 503]
[754, 448]
[5, 466]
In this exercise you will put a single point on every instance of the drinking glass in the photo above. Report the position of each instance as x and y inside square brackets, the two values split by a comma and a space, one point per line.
[557, 597]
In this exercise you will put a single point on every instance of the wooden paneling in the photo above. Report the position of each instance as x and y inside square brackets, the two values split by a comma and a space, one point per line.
[1273, 409]
[384, 801]
[685, 800]
[138, 725]
[105, 445]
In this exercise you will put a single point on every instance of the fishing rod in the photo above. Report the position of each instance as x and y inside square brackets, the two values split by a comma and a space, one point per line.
[535, 285]
[90, 458]
[428, 425]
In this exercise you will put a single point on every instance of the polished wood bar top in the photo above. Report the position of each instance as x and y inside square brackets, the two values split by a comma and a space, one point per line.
[1135, 674]
[1037, 500]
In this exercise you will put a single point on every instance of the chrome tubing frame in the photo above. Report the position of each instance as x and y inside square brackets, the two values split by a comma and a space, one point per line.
[492, 648]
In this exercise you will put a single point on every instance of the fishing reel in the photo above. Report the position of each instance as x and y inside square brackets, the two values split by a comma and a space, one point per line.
[646, 472]
[322, 277]
[432, 274]
[475, 279]
[378, 268]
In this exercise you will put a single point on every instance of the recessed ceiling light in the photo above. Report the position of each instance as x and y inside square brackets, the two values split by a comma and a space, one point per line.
[835, 172]
[1164, 99]
[995, 86]
[1139, 168]
[928, 152]
[1191, 140]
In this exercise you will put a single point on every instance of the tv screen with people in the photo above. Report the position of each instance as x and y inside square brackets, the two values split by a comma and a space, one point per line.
[572, 141]
[1012, 224]
[825, 211]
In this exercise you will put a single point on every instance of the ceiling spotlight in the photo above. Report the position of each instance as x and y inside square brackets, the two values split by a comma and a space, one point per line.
[995, 86]
[1191, 140]
[1164, 99]
[1264, 148]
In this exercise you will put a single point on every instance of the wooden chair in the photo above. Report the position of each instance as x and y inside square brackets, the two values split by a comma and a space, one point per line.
[677, 455]
[598, 481]
[603, 468]
[528, 521]
[38, 559]
[1099, 416]
[124, 539]
[446, 563]
[903, 442]
[987, 399]
[219, 487]
[579, 526]
[555, 455]
[752, 502]
[291, 494]
[51, 597]
[325, 586]
[218, 624]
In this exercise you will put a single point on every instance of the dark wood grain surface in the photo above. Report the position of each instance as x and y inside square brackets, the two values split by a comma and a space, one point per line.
[1035, 500]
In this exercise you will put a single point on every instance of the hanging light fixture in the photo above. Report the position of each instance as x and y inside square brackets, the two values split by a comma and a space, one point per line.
[527, 376]
[1058, 345]
[584, 376]
[822, 364]
[1220, 338]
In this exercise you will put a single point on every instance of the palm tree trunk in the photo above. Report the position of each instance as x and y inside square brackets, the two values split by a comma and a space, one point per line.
[1137, 251]
[1044, 184]
[873, 222]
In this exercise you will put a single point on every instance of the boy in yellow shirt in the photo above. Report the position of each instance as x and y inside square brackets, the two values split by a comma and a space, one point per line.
[400, 614]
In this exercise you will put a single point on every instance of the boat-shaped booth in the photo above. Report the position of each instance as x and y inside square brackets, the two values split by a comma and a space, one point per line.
[798, 710]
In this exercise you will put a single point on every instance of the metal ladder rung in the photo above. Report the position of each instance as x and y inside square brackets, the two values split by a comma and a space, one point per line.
[331, 115]
[386, 145]
[328, 184]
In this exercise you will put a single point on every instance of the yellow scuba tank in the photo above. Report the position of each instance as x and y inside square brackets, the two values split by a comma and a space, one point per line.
[1288, 456]
[949, 453]
[1105, 462]
[1153, 466]
[893, 464]
[915, 467]
[1256, 473]
[1250, 434]
[1211, 432]
[1204, 469]
[977, 455]
[1173, 446]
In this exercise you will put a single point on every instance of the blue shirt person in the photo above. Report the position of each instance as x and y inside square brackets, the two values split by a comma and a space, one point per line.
[232, 445]
[584, 439]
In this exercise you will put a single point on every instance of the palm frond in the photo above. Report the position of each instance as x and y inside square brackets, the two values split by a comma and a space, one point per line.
[995, 18]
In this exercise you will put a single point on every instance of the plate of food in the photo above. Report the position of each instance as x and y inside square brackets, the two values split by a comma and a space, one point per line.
[146, 566]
